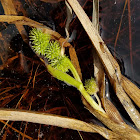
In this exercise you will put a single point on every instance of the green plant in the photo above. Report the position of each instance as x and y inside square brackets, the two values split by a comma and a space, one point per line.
[60, 64]
[91, 86]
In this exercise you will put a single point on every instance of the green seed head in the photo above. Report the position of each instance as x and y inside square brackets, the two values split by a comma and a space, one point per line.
[39, 40]
[91, 86]
[51, 50]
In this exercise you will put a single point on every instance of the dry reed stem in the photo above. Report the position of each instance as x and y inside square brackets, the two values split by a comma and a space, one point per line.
[55, 120]
[120, 128]
[109, 63]
[95, 14]
[100, 77]
[98, 67]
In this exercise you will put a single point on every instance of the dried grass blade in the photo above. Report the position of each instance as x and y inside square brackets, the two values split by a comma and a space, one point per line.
[22, 20]
[100, 77]
[128, 105]
[19, 19]
[124, 130]
[98, 68]
[95, 14]
[55, 120]
[132, 90]
[75, 61]
[111, 66]
[112, 112]
[94, 36]
[8, 7]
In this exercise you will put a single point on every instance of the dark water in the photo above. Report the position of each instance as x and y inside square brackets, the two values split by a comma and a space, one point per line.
[114, 16]
[46, 94]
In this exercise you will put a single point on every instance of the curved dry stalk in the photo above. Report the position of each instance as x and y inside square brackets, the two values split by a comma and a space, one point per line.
[100, 77]
[120, 128]
[98, 67]
[111, 66]
[22, 20]
[19, 19]
[95, 14]
[55, 120]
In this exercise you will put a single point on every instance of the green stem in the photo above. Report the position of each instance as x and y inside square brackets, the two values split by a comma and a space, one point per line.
[89, 99]
[73, 82]
[63, 76]
[73, 70]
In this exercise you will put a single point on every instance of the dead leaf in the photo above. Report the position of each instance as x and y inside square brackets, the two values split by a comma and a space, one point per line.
[132, 90]
[74, 60]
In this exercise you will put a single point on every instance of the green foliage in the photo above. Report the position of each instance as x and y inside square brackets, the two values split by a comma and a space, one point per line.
[60, 64]
[91, 86]
[50, 49]
[53, 51]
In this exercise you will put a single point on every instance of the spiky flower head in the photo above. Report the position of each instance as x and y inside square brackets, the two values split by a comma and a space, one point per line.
[39, 40]
[91, 86]
[50, 49]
